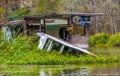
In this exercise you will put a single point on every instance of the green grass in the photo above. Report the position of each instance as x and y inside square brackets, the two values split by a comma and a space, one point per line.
[105, 40]
[23, 50]
[41, 57]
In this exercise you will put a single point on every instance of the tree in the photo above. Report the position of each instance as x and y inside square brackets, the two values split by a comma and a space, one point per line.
[6, 5]
[44, 6]
[111, 8]
[1, 12]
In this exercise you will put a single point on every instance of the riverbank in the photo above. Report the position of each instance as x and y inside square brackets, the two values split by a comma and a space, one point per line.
[53, 58]
[24, 50]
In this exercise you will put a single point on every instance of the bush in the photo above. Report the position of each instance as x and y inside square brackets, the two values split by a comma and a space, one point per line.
[114, 40]
[101, 39]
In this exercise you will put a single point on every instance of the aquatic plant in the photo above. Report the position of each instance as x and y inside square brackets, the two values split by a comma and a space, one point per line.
[24, 50]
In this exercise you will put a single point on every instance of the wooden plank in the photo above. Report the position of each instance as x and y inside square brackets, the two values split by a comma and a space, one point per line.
[66, 44]
[25, 28]
[50, 46]
[84, 14]
[42, 42]
[61, 49]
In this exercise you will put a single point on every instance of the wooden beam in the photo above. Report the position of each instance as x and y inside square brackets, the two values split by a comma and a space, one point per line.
[25, 28]
[62, 48]
[85, 14]
[50, 46]
[65, 44]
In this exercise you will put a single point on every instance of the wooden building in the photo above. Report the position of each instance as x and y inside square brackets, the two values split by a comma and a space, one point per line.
[77, 26]
[73, 28]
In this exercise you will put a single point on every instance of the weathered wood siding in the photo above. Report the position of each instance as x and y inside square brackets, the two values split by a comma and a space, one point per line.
[80, 41]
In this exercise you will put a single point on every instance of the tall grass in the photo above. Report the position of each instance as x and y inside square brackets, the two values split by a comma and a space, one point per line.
[23, 50]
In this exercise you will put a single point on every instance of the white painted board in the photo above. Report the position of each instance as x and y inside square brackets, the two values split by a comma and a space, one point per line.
[65, 43]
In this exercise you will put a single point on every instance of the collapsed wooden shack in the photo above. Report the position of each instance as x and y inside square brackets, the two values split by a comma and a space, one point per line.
[64, 31]
[76, 25]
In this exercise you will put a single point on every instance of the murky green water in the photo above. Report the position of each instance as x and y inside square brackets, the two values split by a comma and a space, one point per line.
[61, 70]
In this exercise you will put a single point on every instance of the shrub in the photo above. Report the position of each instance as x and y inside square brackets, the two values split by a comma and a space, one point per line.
[114, 40]
[101, 39]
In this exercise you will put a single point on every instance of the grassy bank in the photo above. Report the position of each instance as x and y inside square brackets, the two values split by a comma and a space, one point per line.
[23, 50]
[41, 57]
[37, 57]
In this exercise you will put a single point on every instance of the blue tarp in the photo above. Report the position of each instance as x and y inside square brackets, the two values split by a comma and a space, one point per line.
[82, 20]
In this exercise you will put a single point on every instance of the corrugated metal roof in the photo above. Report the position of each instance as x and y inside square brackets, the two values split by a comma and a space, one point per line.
[54, 15]
[15, 22]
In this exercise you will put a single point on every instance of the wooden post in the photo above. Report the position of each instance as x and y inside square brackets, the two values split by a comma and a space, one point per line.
[43, 27]
[72, 29]
[40, 26]
[61, 49]
[25, 28]
[86, 31]
[50, 46]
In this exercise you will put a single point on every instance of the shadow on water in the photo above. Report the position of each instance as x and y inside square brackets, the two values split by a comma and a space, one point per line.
[61, 70]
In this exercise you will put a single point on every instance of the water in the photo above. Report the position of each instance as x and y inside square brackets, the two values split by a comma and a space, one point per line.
[61, 70]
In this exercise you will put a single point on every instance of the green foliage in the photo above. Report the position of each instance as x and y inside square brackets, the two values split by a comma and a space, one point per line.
[105, 40]
[114, 40]
[46, 6]
[101, 38]
[23, 50]
[1, 10]
[21, 12]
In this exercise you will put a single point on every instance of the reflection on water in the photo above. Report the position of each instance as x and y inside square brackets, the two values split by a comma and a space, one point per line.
[61, 70]
[68, 71]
